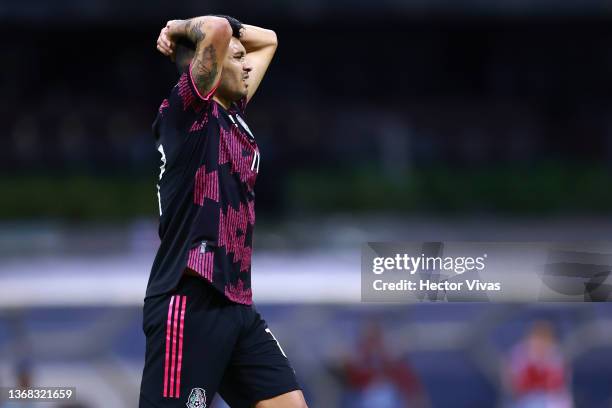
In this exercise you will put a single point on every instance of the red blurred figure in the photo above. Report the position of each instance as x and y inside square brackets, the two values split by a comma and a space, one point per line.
[379, 379]
[538, 375]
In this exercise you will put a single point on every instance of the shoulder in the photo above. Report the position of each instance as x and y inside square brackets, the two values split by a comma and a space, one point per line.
[183, 111]
[189, 95]
[184, 98]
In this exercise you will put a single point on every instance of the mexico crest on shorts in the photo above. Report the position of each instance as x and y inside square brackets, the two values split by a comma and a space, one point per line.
[197, 398]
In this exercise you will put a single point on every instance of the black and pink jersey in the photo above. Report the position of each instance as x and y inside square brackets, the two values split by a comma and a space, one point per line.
[209, 164]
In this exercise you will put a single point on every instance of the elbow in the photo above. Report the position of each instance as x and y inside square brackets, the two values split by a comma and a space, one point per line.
[273, 39]
[218, 26]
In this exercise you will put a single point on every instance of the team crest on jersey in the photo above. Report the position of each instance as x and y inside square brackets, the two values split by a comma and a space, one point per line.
[197, 398]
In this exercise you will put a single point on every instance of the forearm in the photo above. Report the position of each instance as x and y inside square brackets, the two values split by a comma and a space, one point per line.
[256, 38]
[194, 29]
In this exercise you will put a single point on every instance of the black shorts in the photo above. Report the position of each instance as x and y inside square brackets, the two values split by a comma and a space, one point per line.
[199, 343]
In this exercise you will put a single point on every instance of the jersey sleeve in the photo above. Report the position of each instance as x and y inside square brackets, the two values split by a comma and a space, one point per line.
[194, 89]
[188, 95]
[182, 111]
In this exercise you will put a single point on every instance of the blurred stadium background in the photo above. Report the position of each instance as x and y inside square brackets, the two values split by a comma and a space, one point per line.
[407, 120]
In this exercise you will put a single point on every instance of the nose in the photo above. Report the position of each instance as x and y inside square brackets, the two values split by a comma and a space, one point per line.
[246, 67]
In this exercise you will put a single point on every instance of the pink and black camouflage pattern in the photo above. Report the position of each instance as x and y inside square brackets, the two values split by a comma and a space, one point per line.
[206, 193]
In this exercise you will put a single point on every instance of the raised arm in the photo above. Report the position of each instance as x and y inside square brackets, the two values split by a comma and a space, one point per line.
[211, 35]
[260, 45]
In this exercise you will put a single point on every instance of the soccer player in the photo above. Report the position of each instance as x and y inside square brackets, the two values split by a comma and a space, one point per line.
[203, 333]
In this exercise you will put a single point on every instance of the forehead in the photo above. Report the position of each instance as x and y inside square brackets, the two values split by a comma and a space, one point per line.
[236, 46]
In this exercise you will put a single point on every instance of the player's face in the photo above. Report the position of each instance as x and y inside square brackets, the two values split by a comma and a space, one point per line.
[234, 79]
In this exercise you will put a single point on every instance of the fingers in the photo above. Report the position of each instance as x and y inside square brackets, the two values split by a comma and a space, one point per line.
[164, 44]
[164, 36]
[163, 48]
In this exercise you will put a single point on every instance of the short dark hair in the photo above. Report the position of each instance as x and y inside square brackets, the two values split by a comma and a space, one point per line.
[234, 23]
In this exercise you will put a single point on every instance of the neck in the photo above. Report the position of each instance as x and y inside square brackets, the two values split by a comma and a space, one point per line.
[222, 101]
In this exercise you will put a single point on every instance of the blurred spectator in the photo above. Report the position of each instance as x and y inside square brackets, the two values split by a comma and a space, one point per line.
[24, 380]
[537, 374]
[374, 378]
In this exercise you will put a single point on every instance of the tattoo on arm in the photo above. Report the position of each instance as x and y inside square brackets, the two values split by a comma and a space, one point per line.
[204, 68]
[194, 30]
